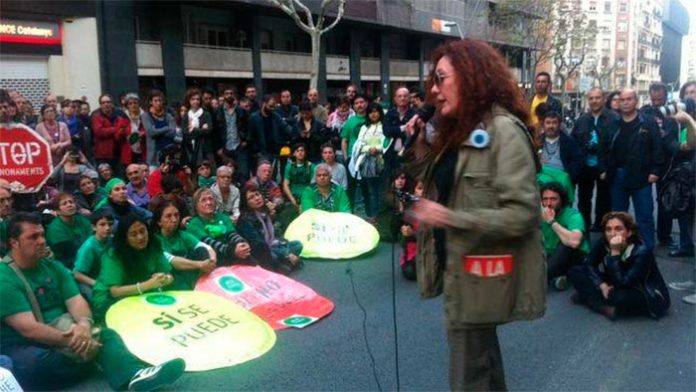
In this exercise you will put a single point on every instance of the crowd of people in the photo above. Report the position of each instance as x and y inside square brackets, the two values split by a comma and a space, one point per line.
[145, 197]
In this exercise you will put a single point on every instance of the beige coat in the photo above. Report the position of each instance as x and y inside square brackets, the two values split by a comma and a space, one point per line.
[496, 211]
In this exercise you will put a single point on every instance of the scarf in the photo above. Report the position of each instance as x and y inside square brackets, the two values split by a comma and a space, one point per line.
[194, 118]
[267, 224]
[339, 118]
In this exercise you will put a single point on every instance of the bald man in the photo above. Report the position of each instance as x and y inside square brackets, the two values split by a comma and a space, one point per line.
[394, 122]
[633, 162]
[319, 112]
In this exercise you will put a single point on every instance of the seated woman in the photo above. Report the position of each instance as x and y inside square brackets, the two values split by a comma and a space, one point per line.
[89, 256]
[226, 194]
[620, 276]
[409, 243]
[256, 225]
[173, 191]
[324, 194]
[87, 198]
[339, 175]
[117, 203]
[135, 265]
[391, 211]
[216, 229]
[68, 230]
[189, 256]
[69, 170]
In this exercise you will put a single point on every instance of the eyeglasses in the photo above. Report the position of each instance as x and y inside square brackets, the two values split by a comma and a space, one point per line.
[439, 78]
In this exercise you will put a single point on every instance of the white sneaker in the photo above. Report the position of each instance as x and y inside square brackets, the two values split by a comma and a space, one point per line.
[156, 377]
[683, 286]
[690, 299]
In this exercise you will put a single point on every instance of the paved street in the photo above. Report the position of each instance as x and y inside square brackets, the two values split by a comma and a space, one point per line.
[570, 348]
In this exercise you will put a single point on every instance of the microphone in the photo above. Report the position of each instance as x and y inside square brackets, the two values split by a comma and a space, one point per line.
[424, 114]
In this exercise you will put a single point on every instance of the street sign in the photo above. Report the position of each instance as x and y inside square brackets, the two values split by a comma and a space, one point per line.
[25, 158]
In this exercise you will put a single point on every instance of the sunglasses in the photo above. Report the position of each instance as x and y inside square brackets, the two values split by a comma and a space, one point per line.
[439, 78]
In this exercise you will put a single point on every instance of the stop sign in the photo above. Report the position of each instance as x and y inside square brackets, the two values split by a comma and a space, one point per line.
[25, 158]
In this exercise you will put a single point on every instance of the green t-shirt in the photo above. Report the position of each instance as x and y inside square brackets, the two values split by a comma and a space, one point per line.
[337, 200]
[89, 257]
[4, 247]
[65, 239]
[52, 285]
[299, 176]
[206, 182]
[220, 225]
[351, 130]
[113, 273]
[179, 244]
[571, 219]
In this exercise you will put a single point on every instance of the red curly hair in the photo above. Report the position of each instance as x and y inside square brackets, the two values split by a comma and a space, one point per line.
[484, 79]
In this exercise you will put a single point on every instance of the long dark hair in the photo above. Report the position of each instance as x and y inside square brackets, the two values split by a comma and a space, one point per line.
[484, 80]
[135, 262]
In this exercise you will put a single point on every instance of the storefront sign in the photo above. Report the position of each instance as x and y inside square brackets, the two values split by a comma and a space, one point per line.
[278, 300]
[34, 33]
[207, 331]
[25, 158]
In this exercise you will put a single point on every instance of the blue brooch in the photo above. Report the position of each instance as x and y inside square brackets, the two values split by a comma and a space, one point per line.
[479, 139]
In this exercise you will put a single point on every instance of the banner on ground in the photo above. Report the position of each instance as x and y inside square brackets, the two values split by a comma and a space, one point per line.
[332, 235]
[277, 299]
[207, 331]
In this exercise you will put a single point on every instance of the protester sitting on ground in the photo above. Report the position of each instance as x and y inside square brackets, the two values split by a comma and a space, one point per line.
[339, 176]
[410, 247]
[189, 257]
[170, 162]
[117, 203]
[271, 192]
[174, 192]
[565, 235]
[87, 196]
[391, 211]
[226, 194]
[256, 226]
[52, 346]
[323, 194]
[620, 276]
[6, 211]
[89, 257]
[298, 175]
[67, 172]
[309, 133]
[160, 127]
[217, 230]
[137, 186]
[68, 230]
[54, 132]
[204, 174]
[106, 173]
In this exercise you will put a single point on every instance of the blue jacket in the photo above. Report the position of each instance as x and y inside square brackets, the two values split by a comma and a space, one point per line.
[256, 135]
[607, 124]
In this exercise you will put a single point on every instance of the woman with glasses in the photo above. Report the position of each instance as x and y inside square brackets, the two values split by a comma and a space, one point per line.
[480, 210]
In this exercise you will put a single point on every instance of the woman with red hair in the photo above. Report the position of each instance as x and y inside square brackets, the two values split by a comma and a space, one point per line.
[480, 210]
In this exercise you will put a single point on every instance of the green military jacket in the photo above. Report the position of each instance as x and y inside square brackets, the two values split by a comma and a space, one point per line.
[495, 212]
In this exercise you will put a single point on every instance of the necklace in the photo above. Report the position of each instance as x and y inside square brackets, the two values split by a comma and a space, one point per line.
[551, 151]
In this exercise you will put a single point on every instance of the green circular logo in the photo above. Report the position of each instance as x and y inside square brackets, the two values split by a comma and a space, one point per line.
[231, 284]
[297, 320]
[160, 299]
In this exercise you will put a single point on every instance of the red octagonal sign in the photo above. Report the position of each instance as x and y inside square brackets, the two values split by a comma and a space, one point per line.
[25, 158]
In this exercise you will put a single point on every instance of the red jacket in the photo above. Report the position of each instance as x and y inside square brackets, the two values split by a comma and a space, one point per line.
[110, 136]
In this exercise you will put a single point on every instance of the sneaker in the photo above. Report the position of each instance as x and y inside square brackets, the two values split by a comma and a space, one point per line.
[156, 377]
[560, 283]
[689, 285]
[690, 299]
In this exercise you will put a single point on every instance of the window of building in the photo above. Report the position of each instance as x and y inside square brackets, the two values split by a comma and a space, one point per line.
[213, 35]
[606, 43]
[621, 45]
[607, 6]
[622, 7]
[641, 68]
[605, 62]
[266, 38]
[593, 6]
[622, 27]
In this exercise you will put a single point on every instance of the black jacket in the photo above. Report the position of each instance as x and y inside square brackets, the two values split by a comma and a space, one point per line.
[220, 138]
[572, 157]
[639, 271]
[607, 124]
[669, 133]
[646, 155]
[392, 124]
[256, 135]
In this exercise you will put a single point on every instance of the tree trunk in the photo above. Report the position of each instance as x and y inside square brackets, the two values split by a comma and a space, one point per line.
[316, 50]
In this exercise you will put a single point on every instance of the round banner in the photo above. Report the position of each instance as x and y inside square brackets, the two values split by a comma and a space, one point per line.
[277, 299]
[332, 235]
[207, 331]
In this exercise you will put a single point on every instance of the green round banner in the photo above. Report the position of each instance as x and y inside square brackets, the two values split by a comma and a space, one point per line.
[207, 331]
[332, 235]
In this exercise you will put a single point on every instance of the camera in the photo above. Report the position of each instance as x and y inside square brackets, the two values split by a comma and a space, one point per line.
[405, 197]
[670, 108]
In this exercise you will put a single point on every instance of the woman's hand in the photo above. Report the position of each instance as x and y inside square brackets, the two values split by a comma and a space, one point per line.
[682, 117]
[617, 244]
[242, 250]
[605, 289]
[207, 266]
[431, 213]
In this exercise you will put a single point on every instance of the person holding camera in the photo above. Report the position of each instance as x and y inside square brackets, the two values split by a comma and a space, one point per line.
[69, 170]
[590, 133]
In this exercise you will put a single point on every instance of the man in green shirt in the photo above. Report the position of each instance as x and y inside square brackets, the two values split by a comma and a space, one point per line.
[563, 228]
[44, 356]
[68, 230]
[349, 134]
[89, 256]
[324, 194]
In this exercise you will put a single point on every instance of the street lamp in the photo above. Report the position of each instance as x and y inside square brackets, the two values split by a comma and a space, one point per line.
[455, 24]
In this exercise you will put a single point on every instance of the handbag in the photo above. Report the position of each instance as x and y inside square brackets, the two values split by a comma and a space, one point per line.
[63, 323]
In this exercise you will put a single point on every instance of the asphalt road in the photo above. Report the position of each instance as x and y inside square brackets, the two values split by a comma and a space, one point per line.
[570, 348]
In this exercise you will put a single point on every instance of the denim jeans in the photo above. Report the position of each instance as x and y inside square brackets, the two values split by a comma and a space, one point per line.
[643, 205]
[371, 188]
